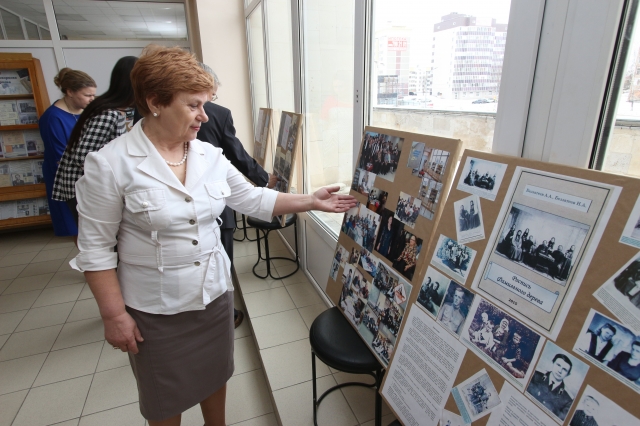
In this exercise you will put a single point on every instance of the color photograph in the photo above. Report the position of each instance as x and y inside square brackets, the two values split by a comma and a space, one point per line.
[380, 154]
[377, 200]
[363, 181]
[432, 165]
[407, 209]
[361, 225]
[429, 196]
[398, 245]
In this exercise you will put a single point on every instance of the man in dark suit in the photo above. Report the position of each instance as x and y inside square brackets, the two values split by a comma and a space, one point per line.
[548, 388]
[219, 132]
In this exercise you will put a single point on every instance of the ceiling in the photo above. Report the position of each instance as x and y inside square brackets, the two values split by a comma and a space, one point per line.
[108, 20]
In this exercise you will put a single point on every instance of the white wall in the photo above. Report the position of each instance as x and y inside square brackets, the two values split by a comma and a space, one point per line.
[224, 48]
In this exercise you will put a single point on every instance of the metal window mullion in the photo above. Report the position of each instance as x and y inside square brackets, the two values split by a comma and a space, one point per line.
[24, 27]
[4, 31]
[55, 34]
[265, 43]
[251, 75]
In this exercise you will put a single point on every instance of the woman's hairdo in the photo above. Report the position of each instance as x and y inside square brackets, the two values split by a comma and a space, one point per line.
[161, 72]
[73, 80]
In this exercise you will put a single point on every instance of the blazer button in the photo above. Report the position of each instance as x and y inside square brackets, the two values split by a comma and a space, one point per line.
[192, 222]
[194, 242]
[145, 204]
[196, 263]
[188, 199]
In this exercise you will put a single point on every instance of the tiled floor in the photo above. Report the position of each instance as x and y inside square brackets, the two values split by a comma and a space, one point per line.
[56, 368]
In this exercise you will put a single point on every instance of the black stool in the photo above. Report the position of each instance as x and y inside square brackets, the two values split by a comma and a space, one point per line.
[243, 229]
[334, 341]
[265, 228]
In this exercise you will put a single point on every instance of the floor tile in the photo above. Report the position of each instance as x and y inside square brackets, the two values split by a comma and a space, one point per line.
[277, 329]
[290, 364]
[55, 254]
[11, 272]
[54, 403]
[360, 399]
[3, 339]
[295, 405]
[36, 282]
[309, 313]
[10, 405]
[66, 277]
[28, 247]
[72, 422]
[80, 333]
[45, 316]
[17, 259]
[59, 242]
[69, 364]
[18, 301]
[388, 419]
[9, 321]
[41, 268]
[84, 309]
[4, 284]
[30, 342]
[249, 283]
[192, 417]
[304, 294]
[111, 389]
[244, 330]
[111, 358]
[298, 277]
[127, 415]
[245, 264]
[51, 296]
[247, 397]
[245, 356]
[19, 374]
[85, 293]
[268, 302]
[266, 420]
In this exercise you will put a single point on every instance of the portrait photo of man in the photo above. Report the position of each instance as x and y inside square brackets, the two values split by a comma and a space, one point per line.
[549, 388]
[455, 308]
[584, 415]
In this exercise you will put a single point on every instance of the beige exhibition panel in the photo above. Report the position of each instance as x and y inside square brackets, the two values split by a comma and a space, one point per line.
[609, 257]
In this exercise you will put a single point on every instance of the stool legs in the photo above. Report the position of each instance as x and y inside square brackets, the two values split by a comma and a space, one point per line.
[244, 228]
[267, 257]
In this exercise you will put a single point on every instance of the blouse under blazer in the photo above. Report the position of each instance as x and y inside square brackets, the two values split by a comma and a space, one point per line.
[170, 255]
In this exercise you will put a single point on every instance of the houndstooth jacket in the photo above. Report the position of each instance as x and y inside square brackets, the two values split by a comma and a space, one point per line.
[97, 132]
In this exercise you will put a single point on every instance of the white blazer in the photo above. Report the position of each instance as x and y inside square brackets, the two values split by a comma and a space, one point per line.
[170, 255]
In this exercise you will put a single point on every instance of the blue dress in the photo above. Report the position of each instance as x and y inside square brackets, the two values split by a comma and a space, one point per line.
[55, 128]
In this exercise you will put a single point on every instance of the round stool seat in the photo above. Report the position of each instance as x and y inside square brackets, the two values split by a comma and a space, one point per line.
[274, 224]
[338, 345]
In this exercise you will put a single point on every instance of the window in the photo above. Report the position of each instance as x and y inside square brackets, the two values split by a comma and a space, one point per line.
[280, 55]
[32, 30]
[12, 25]
[328, 52]
[256, 58]
[436, 67]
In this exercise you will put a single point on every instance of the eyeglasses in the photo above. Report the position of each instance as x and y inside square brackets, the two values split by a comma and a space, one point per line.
[213, 98]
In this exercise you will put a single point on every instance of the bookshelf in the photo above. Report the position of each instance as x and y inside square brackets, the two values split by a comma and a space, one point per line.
[23, 99]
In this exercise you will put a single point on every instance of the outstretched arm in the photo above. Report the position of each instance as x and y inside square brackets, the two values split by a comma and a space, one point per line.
[324, 199]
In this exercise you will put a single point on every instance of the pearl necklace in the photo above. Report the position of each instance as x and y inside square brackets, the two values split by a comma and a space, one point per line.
[184, 158]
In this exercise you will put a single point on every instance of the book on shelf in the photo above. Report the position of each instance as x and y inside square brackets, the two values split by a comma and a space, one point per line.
[13, 144]
[21, 173]
[15, 82]
[33, 140]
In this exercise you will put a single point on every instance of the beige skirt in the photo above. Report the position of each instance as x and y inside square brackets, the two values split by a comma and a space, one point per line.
[184, 358]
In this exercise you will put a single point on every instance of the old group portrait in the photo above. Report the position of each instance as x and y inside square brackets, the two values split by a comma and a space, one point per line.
[432, 291]
[469, 224]
[453, 258]
[481, 177]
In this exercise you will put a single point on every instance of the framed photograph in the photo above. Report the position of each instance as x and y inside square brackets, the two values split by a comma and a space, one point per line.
[476, 397]
[415, 155]
[596, 409]
[507, 345]
[455, 309]
[545, 235]
[397, 244]
[407, 209]
[377, 200]
[432, 291]
[631, 232]
[469, 224]
[453, 258]
[361, 225]
[556, 381]
[429, 196]
[612, 347]
[363, 181]
[380, 154]
[621, 293]
[481, 177]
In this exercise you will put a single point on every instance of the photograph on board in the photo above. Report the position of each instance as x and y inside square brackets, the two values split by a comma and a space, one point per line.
[611, 347]
[432, 291]
[631, 232]
[433, 164]
[341, 255]
[595, 409]
[380, 154]
[361, 225]
[335, 267]
[397, 244]
[415, 155]
[453, 258]
[481, 177]
[368, 262]
[469, 224]
[476, 397]
[354, 256]
[363, 181]
[506, 344]
[429, 196]
[377, 200]
[541, 245]
[447, 418]
[457, 303]
[352, 302]
[556, 381]
[621, 294]
[407, 209]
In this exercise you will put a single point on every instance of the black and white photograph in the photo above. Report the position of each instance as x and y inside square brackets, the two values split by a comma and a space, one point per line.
[455, 308]
[631, 232]
[417, 148]
[429, 196]
[38, 175]
[407, 209]
[542, 242]
[556, 381]
[432, 291]
[380, 154]
[27, 106]
[595, 409]
[476, 397]
[335, 267]
[368, 262]
[469, 224]
[453, 258]
[363, 181]
[377, 200]
[433, 164]
[341, 255]
[29, 118]
[398, 245]
[481, 177]
[506, 344]
[361, 225]
[278, 162]
[621, 293]
[612, 347]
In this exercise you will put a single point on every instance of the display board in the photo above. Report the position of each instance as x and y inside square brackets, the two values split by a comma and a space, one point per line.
[284, 160]
[399, 181]
[539, 319]
[263, 135]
